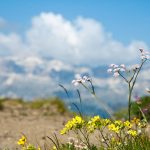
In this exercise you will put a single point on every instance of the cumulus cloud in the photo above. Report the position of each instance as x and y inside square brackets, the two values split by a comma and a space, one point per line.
[81, 41]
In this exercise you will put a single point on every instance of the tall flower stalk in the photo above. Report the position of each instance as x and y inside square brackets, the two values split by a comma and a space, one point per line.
[85, 79]
[119, 70]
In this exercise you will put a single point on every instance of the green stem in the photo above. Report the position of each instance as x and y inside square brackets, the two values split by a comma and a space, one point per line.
[129, 102]
[131, 86]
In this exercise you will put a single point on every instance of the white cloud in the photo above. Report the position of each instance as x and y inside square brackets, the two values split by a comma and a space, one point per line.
[81, 41]
[11, 44]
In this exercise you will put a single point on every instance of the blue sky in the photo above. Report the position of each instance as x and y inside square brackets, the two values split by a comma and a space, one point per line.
[72, 32]
[126, 21]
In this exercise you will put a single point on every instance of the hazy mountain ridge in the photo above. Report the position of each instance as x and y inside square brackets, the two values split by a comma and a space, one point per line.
[34, 77]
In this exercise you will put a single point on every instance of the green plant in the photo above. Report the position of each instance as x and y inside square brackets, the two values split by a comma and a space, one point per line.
[129, 75]
[1, 105]
[142, 106]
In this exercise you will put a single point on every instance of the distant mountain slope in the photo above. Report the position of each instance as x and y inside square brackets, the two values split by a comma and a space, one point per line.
[40, 77]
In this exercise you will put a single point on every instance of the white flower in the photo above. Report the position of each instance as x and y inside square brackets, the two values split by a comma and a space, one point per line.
[112, 65]
[86, 78]
[116, 69]
[109, 70]
[139, 131]
[123, 66]
[75, 82]
[102, 140]
[144, 54]
[80, 79]
[135, 67]
[115, 66]
[116, 74]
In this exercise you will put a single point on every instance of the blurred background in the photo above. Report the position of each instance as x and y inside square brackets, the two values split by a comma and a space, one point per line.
[46, 43]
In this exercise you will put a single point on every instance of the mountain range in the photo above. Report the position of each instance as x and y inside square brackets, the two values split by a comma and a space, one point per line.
[35, 77]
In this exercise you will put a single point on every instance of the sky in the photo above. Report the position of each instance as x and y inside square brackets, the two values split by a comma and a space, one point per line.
[89, 32]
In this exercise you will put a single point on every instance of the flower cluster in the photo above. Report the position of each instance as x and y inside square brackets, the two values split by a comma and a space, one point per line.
[80, 80]
[111, 131]
[113, 127]
[25, 146]
[144, 54]
[22, 141]
[76, 123]
[76, 143]
[116, 69]
[97, 123]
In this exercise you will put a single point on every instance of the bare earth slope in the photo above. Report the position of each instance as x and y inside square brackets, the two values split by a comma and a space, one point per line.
[34, 123]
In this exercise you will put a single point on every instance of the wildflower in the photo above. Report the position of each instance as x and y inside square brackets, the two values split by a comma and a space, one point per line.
[102, 140]
[80, 146]
[144, 54]
[132, 133]
[86, 78]
[95, 123]
[54, 148]
[135, 67]
[113, 66]
[114, 128]
[109, 70]
[105, 122]
[63, 131]
[138, 99]
[75, 82]
[123, 66]
[75, 123]
[116, 69]
[116, 74]
[139, 131]
[118, 122]
[95, 119]
[127, 124]
[22, 141]
[80, 80]
[135, 120]
[71, 140]
[142, 124]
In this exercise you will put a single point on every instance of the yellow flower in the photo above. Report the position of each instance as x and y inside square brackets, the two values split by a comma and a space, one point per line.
[132, 133]
[135, 120]
[95, 119]
[39, 148]
[114, 128]
[22, 141]
[105, 122]
[63, 131]
[127, 124]
[118, 122]
[54, 148]
[75, 123]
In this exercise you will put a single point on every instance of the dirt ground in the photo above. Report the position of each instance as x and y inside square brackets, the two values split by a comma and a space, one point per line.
[35, 126]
